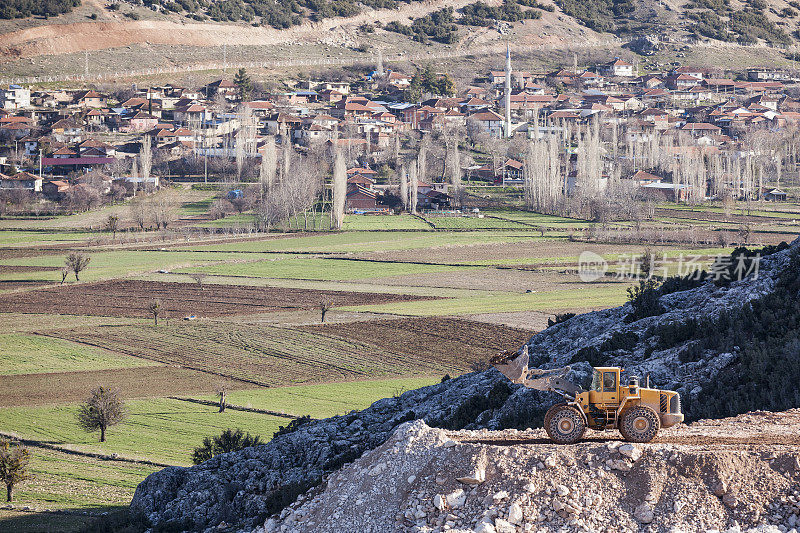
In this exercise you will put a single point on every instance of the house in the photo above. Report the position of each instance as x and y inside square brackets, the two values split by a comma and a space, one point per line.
[360, 200]
[768, 74]
[260, 108]
[512, 172]
[21, 180]
[641, 178]
[399, 80]
[773, 195]
[66, 127]
[361, 181]
[55, 189]
[15, 97]
[433, 199]
[192, 113]
[224, 87]
[618, 68]
[698, 129]
[91, 99]
[141, 121]
[489, 121]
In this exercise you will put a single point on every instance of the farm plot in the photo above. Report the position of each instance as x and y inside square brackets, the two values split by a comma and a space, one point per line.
[269, 355]
[131, 298]
[475, 223]
[366, 241]
[451, 340]
[161, 430]
[32, 354]
[318, 268]
[57, 387]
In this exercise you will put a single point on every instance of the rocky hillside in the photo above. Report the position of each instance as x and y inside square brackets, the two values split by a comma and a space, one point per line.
[694, 478]
[727, 347]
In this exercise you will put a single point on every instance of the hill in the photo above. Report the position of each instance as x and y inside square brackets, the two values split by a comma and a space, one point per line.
[728, 346]
[166, 34]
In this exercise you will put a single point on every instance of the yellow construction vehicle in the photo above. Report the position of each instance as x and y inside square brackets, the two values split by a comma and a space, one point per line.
[637, 412]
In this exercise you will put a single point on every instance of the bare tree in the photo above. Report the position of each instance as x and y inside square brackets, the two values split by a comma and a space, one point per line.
[324, 307]
[14, 461]
[76, 262]
[269, 165]
[339, 189]
[139, 212]
[414, 182]
[64, 273]
[103, 409]
[404, 187]
[199, 278]
[156, 309]
[222, 391]
[111, 225]
[145, 158]
[162, 208]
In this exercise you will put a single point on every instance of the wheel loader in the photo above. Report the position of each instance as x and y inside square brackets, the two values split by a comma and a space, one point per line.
[637, 412]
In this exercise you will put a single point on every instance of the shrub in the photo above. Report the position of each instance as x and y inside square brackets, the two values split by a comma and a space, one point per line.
[590, 354]
[468, 412]
[644, 299]
[620, 340]
[228, 441]
[563, 317]
[682, 283]
[292, 426]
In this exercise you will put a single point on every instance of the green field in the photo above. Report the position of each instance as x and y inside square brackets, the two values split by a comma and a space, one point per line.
[158, 429]
[384, 222]
[366, 241]
[33, 354]
[321, 401]
[476, 223]
[319, 269]
[588, 297]
[117, 264]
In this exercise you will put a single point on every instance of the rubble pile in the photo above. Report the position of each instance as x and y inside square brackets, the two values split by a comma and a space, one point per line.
[430, 480]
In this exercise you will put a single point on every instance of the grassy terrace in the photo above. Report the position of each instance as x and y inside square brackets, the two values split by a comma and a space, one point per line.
[33, 354]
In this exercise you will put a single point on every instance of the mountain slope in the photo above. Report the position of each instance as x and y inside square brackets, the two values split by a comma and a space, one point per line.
[712, 343]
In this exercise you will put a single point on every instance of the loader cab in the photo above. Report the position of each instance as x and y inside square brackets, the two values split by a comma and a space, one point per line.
[605, 386]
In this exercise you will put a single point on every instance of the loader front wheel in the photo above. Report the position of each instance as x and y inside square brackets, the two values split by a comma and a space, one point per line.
[550, 412]
[640, 424]
[565, 424]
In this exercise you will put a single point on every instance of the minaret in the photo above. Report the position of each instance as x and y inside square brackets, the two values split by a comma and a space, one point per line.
[508, 92]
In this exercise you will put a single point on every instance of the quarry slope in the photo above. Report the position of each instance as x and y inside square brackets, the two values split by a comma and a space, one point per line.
[737, 472]
[243, 488]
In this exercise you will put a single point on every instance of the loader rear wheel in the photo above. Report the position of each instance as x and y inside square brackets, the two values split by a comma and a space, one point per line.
[640, 424]
[565, 424]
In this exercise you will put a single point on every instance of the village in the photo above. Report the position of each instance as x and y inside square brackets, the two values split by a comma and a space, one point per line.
[687, 134]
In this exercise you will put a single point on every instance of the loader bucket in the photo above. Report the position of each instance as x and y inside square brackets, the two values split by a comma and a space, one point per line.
[514, 368]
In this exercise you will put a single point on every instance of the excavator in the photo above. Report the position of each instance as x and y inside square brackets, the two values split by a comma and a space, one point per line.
[637, 412]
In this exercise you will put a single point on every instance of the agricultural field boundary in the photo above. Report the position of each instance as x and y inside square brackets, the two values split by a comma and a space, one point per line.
[234, 407]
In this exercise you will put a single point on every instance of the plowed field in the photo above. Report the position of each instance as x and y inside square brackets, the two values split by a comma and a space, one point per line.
[449, 340]
[132, 298]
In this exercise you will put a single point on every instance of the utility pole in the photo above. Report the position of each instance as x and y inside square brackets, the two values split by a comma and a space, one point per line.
[40, 162]
[86, 62]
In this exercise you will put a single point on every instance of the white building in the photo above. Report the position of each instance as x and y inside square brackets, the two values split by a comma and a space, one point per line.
[619, 68]
[15, 97]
